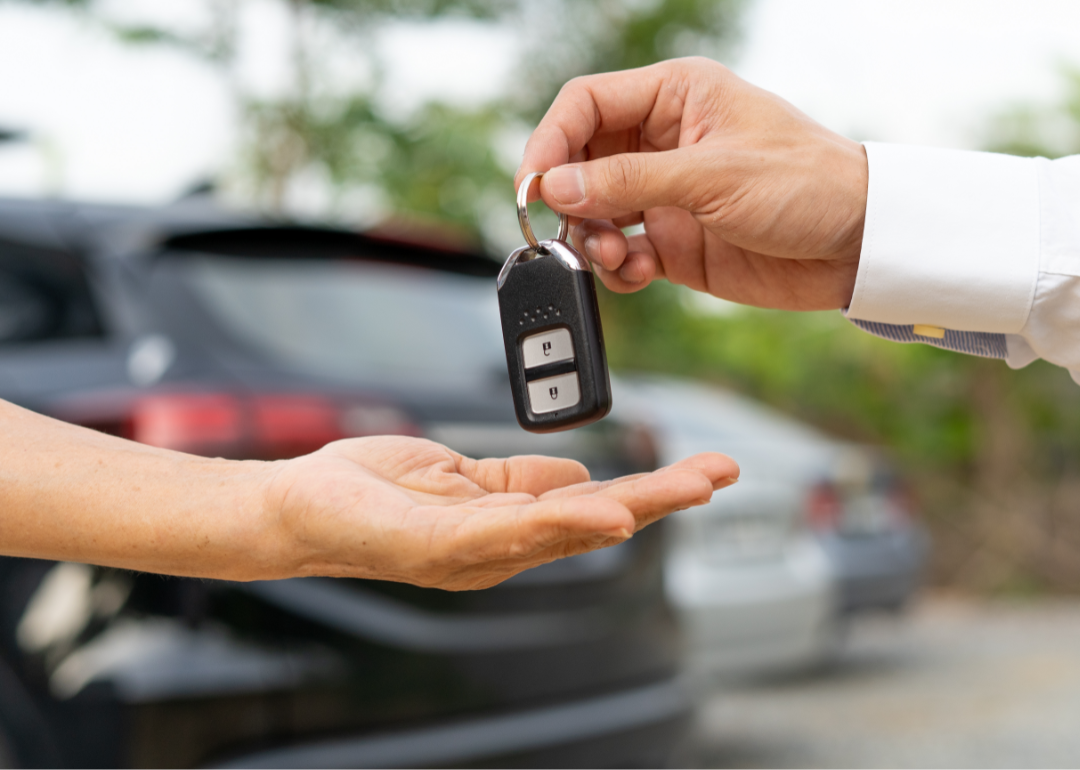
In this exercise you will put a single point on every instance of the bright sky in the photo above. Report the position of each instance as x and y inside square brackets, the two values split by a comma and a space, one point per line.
[142, 124]
[913, 71]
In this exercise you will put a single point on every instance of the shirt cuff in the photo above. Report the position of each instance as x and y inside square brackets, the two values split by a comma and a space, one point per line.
[951, 239]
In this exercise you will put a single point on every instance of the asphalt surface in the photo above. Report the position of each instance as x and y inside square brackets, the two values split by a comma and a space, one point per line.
[955, 683]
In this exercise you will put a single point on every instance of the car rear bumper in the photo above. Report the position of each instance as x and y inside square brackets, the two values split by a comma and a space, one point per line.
[877, 572]
[639, 727]
[751, 619]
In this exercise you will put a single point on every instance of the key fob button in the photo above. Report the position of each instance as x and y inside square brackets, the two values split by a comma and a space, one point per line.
[553, 393]
[547, 348]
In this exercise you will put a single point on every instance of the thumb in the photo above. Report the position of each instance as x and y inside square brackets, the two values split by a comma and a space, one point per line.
[618, 185]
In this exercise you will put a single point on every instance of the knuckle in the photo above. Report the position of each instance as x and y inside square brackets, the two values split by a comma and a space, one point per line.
[700, 64]
[625, 175]
[573, 85]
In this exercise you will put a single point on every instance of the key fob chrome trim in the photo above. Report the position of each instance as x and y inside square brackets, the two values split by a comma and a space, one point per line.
[558, 249]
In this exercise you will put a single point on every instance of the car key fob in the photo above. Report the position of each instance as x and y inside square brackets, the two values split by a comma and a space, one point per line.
[552, 333]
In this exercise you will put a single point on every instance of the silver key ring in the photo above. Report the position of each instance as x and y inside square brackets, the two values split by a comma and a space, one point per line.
[523, 213]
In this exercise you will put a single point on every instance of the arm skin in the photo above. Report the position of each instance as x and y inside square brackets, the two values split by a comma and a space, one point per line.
[388, 508]
[741, 195]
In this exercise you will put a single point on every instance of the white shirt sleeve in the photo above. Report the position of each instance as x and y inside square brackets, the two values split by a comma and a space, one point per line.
[974, 252]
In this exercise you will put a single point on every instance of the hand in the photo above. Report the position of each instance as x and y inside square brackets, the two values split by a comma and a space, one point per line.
[741, 195]
[388, 507]
[410, 510]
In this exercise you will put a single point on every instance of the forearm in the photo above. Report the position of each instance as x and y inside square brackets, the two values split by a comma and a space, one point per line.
[381, 507]
[72, 494]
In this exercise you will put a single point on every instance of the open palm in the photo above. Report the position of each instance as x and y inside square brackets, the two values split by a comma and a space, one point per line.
[411, 510]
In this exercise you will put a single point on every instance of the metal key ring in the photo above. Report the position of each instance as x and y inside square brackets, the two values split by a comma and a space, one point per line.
[523, 213]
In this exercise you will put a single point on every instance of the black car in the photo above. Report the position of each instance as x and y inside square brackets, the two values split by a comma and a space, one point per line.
[210, 332]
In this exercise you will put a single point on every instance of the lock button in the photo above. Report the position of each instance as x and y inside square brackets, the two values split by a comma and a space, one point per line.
[547, 348]
[553, 393]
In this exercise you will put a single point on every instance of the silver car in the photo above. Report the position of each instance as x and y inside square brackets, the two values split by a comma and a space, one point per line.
[763, 575]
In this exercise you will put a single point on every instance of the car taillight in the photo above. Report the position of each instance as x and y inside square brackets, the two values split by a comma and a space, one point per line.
[258, 426]
[286, 426]
[823, 507]
[202, 423]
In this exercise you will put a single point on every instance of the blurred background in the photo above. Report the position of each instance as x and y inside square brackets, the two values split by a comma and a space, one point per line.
[869, 467]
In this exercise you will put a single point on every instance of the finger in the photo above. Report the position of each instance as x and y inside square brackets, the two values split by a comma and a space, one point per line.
[530, 474]
[720, 469]
[649, 496]
[614, 282]
[610, 143]
[629, 220]
[619, 185]
[602, 242]
[640, 267]
[656, 495]
[520, 532]
[597, 104]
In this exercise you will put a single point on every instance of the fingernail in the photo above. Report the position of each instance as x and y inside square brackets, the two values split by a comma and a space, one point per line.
[566, 184]
[727, 482]
[630, 274]
[592, 247]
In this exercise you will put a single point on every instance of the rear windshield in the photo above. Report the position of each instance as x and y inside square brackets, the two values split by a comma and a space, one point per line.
[355, 319]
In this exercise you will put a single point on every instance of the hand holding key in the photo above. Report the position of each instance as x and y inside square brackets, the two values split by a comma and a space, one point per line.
[741, 195]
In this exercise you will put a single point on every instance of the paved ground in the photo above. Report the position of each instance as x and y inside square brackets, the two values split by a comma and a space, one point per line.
[954, 684]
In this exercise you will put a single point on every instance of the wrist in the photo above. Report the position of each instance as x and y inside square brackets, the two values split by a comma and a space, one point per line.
[274, 549]
[232, 530]
[856, 182]
[855, 177]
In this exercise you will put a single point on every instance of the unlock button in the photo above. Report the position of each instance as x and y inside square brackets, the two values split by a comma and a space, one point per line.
[547, 348]
[552, 393]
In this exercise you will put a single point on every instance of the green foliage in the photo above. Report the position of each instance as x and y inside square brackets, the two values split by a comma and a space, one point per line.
[443, 163]
[579, 38]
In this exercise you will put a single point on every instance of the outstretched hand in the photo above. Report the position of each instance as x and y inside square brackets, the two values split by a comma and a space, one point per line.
[411, 510]
[386, 507]
[741, 195]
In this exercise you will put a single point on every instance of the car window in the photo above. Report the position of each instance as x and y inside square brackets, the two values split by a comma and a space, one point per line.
[354, 319]
[26, 312]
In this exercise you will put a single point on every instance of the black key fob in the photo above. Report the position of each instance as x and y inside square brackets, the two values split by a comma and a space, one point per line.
[554, 342]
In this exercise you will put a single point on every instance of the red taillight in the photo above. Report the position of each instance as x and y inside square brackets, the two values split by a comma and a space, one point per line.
[823, 507]
[191, 422]
[294, 425]
[253, 427]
